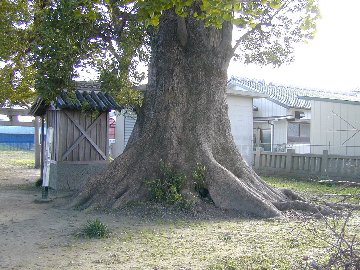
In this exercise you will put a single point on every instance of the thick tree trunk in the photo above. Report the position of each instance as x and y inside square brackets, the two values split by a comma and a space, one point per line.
[185, 122]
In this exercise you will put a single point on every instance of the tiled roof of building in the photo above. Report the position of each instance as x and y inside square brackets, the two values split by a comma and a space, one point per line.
[87, 95]
[288, 96]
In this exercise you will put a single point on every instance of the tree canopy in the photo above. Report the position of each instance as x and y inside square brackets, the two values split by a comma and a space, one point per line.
[44, 43]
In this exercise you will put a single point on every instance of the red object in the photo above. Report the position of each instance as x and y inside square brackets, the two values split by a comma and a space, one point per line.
[112, 124]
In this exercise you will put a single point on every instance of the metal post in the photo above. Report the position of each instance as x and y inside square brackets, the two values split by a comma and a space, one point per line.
[42, 147]
[37, 142]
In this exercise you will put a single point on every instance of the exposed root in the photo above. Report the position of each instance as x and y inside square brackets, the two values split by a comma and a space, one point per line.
[343, 206]
[305, 207]
[291, 195]
[233, 193]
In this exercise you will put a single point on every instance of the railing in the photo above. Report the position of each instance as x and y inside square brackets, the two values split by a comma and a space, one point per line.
[290, 163]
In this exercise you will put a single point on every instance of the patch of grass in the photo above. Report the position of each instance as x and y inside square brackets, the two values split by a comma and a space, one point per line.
[257, 261]
[311, 187]
[23, 159]
[25, 163]
[216, 244]
[95, 229]
[142, 241]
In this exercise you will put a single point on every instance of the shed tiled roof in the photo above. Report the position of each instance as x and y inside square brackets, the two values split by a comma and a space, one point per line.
[86, 94]
[289, 96]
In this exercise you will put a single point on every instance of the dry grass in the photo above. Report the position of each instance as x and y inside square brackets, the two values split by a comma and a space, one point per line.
[234, 243]
[151, 237]
[17, 159]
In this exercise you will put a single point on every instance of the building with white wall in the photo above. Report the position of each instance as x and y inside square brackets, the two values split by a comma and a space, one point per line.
[241, 114]
[335, 124]
[281, 119]
[278, 118]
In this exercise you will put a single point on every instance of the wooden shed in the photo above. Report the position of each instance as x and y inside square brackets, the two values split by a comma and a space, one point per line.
[80, 123]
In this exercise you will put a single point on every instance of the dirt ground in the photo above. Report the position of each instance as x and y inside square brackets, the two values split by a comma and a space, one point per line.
[42, 235]
[46, 235]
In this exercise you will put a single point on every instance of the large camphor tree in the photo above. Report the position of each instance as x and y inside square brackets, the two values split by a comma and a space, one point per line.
[182, 119]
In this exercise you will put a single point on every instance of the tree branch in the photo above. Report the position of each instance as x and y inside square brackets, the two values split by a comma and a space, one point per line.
[258, 26]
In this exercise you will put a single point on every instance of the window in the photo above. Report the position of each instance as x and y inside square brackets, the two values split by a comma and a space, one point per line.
[265, 138]
[298, 133]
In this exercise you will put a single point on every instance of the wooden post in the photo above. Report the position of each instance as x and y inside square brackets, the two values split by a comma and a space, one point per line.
[324, 162]
[289, 157]
[258, 157]
[37, 142]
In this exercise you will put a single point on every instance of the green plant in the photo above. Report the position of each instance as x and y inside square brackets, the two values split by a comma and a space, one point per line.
[199, 177]
[199, 181]
[167, 188]
[96, 229]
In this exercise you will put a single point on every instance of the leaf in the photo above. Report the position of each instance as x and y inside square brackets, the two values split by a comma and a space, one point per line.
[237, 6]
[154, 21]
[276, 4]
[239, 21]
[227, 17]
[91, 15]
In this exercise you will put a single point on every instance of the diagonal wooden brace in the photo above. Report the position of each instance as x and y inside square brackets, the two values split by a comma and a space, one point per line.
[84, 135]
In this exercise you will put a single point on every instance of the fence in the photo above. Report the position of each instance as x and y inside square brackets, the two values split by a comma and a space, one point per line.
[290, 163]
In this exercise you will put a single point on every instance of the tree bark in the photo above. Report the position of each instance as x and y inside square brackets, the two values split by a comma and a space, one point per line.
[184, 121]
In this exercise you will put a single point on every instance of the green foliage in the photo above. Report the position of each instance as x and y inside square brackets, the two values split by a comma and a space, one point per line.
[95, 229]
[198, 176]
[43, 44]
[16, 73]
[121, 88]
[57, 50]
[167, 188]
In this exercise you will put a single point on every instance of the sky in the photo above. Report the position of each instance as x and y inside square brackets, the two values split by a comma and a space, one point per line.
[331, 61]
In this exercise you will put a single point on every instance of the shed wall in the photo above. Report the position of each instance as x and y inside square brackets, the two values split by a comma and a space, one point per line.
[79, 136]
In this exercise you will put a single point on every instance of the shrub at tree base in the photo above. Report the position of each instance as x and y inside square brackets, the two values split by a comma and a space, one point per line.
[95, 229]
[166, 189]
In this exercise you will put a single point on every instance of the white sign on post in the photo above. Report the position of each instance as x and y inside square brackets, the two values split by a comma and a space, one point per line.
[47, 159]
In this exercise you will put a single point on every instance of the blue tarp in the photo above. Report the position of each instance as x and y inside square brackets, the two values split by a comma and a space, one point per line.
[16, 138]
